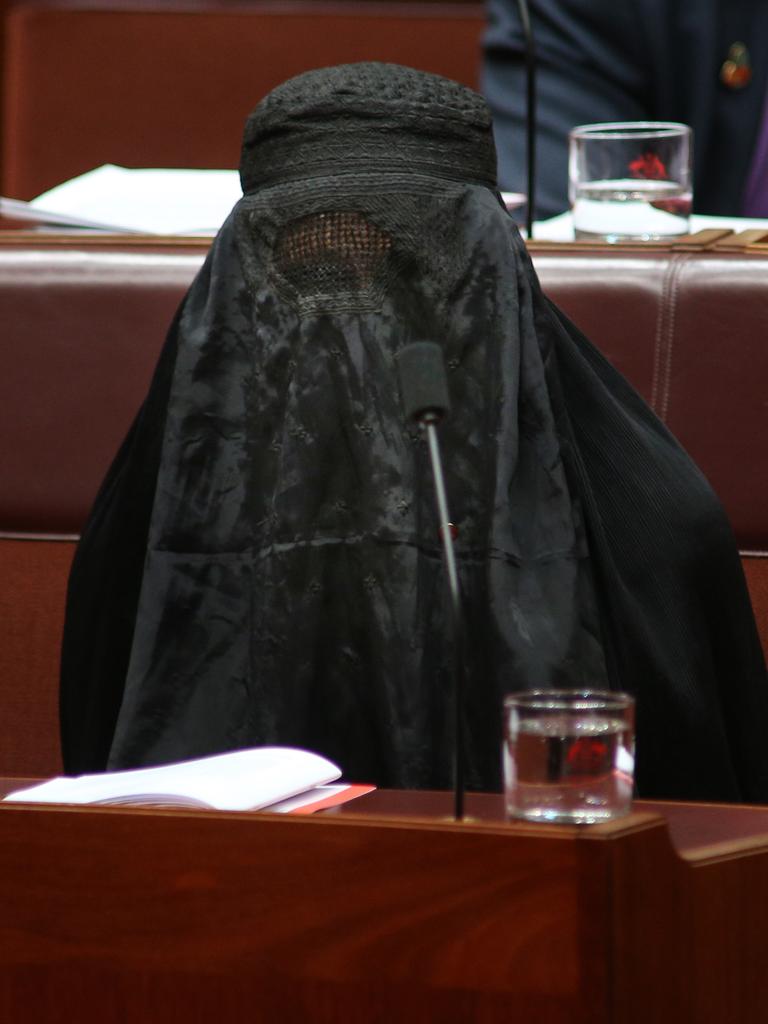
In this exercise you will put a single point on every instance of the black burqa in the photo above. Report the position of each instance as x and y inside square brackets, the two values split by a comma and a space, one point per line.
[262, 565]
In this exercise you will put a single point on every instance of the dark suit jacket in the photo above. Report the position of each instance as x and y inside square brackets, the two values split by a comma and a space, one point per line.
[617, 60]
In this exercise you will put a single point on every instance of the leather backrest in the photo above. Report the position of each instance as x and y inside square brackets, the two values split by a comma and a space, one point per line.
[84, 325]
[82, 331]
[689, 331]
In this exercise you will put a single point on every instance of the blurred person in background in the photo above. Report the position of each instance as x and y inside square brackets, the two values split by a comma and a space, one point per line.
[701, 62]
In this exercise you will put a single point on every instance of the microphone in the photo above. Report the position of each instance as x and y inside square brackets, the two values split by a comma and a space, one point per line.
[424, 392]
[530, 111]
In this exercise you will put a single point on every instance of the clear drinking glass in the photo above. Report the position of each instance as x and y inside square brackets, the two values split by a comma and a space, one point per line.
[630, 180]
[568, 755]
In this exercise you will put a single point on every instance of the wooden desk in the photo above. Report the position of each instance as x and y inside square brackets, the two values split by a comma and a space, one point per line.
[384, 911]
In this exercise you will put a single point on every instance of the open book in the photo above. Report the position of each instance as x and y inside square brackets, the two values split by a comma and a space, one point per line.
[275, 778]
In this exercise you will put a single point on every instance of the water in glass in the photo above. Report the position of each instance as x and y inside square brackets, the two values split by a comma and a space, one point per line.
[630, 208]
[568, 768]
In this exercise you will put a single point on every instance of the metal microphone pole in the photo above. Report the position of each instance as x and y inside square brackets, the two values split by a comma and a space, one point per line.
[530, 111]
[424, 392]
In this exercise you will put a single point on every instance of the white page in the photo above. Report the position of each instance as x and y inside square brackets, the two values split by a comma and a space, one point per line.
[236, 781]
[17, 209]
[163, 201]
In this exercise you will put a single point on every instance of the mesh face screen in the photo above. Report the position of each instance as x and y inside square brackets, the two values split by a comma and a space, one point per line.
[331, 254]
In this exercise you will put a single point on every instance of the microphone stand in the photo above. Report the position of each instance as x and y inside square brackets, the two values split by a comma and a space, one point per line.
[530, 111]
[446, 530]
[425, 398]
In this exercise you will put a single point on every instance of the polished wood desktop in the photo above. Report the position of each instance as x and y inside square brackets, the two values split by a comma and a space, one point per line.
[384, 910]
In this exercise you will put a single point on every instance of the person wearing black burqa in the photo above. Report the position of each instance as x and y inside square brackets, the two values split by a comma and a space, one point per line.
[262, 563]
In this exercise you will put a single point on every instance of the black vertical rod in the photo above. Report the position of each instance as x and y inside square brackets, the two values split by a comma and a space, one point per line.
[445, 528]
[530, 111]
[424, 392]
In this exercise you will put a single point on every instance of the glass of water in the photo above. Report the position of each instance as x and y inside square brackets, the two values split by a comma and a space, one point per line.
[568, 755]
[630, 180]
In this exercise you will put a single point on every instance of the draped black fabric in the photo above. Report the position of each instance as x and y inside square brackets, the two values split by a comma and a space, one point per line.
[262, 564]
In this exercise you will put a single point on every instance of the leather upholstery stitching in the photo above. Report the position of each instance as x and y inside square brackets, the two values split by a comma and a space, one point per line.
[661, 382]
[674, 288]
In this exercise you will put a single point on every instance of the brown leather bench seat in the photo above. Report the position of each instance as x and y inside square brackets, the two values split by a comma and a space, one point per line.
[82, 328]
[84, 322]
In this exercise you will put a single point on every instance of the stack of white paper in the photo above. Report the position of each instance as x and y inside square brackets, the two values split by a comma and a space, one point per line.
[158, 201]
